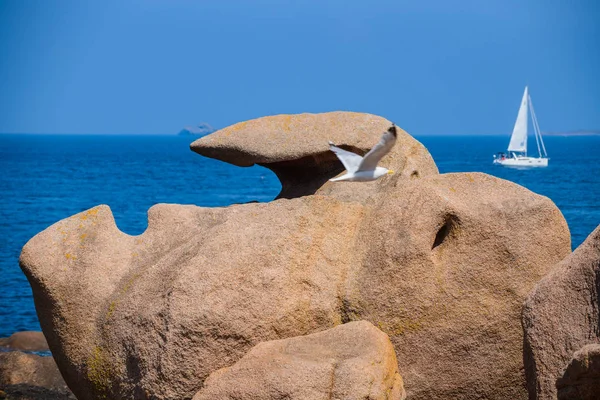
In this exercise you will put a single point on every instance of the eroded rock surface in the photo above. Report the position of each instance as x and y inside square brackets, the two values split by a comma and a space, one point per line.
[296, 148]
[448, 261]
[561, 315]
[191, 295]
[351, 361]
[581, 379]
[441, 264]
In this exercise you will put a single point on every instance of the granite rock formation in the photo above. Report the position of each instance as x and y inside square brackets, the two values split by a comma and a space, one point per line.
[440, 263]
[562, 315]
[581, 379]
[354, 361]
[296, 149]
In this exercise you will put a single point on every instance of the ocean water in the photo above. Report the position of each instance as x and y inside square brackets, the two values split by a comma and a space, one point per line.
[45, 178]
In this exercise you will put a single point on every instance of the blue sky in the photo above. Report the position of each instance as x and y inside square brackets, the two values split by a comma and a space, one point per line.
[432, 66]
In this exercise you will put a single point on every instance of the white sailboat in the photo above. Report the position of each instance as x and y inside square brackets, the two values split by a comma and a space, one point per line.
[516, 156]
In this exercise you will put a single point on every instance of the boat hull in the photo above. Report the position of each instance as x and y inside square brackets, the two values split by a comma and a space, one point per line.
[522, 162]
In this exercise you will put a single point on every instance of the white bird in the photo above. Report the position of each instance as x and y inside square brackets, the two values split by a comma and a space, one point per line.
[363, 169]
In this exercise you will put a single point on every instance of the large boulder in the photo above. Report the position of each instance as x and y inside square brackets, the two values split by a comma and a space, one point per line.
[560, 316]
[447, 262]
[296, 149]
[441, 264]
[157, 313]
[24, 376]
[581, 379]
[25, 341]
[351, 361]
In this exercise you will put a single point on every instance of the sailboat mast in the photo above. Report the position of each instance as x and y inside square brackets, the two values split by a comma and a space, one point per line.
[536, 128]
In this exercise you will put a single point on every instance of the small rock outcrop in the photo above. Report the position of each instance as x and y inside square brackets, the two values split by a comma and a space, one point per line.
[296, 149]
[25, 341]
[562, 315]
[29, 376]
[351, 361]
[581, 379]
[441, 264]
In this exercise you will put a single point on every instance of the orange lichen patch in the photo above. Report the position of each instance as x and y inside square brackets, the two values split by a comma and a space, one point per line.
[63, 233]
[471, 179]
[452, 190]
[413, 150]
[70, 256]
[237, 127]
[89, 213]
[82, 236]
[287, 120]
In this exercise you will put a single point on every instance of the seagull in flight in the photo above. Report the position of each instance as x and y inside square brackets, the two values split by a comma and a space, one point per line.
[363, 169]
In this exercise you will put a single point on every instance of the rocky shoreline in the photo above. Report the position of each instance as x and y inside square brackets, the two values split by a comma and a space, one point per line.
[411, 286]
[26, 375]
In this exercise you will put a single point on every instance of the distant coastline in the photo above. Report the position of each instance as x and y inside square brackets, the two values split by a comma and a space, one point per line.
[201, 129]
[581, 132]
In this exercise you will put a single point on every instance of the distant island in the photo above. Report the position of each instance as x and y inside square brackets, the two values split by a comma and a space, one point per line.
[581, 132]
[201, 129]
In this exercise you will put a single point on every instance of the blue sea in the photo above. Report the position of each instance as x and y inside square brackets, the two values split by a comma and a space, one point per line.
[45, 178]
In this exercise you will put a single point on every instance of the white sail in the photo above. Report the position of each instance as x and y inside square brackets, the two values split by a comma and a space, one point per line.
[518, 140]
[517, 148]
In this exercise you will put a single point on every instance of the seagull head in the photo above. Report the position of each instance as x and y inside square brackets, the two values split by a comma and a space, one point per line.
[392, 129]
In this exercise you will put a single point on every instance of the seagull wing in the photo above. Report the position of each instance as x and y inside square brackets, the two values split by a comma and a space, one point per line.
[372, 158]
[350, 160]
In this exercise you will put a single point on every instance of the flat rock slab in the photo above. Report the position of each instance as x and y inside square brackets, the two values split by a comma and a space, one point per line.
[354, 361]
[561, 315]
[296, 148]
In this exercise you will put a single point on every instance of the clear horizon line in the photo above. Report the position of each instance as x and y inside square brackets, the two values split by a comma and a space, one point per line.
[177, 134]
[578, 132]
